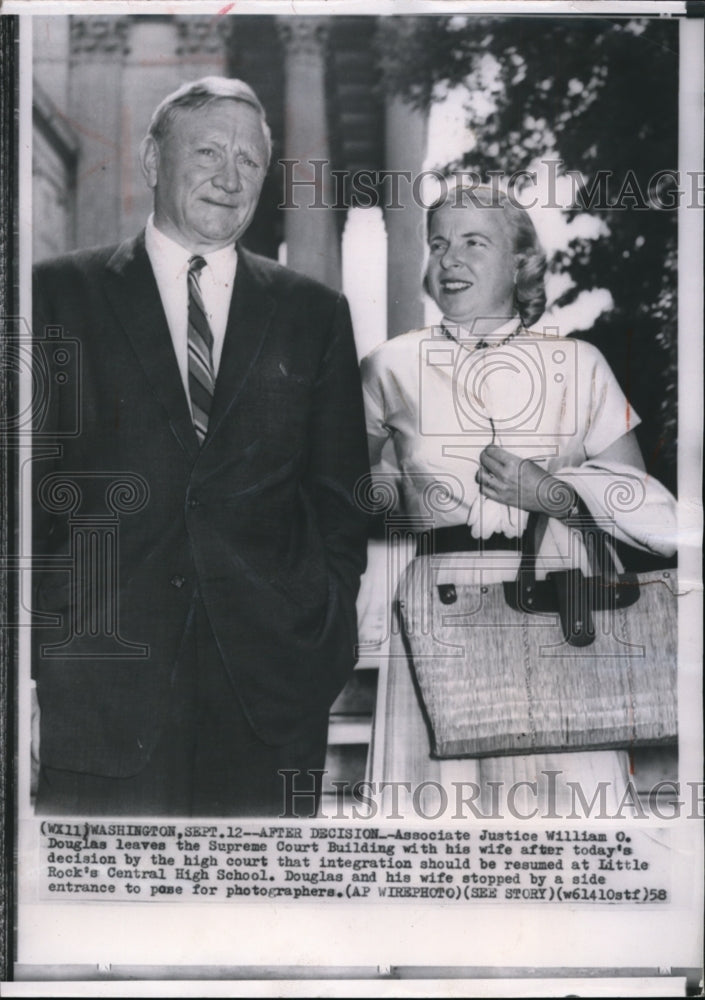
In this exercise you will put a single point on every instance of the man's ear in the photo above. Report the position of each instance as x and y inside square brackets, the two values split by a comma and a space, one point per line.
[149, 160]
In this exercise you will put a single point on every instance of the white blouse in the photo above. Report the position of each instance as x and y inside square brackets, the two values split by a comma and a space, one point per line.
[433, 403]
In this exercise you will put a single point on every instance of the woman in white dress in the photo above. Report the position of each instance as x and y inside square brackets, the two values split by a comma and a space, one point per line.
[502, 420]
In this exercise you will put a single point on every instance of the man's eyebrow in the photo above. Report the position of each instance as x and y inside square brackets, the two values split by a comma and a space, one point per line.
[215, 140]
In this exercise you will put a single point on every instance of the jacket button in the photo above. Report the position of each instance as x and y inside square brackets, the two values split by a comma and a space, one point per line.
[193, 502]
[177, 581]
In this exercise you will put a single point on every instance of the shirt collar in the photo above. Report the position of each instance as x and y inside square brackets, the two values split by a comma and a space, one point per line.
[176, 258]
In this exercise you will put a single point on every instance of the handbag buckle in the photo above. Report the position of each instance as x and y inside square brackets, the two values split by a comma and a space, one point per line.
[574, 606]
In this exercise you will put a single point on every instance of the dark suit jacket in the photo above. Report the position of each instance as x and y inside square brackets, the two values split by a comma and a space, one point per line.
[261, 519]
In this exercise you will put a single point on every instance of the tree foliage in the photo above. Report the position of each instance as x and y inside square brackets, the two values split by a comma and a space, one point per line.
[600, 95]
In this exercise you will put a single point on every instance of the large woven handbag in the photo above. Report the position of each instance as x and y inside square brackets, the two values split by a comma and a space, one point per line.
[571, 662]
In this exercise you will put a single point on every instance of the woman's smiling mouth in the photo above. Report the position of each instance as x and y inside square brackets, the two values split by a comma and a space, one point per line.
[455, 285]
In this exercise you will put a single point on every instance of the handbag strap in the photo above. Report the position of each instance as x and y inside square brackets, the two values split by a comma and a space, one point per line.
[568, 592]
[595, 540]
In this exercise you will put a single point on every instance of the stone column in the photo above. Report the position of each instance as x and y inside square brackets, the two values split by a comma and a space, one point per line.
[202, 45]
[98, 48]
[405, 133]
[312, 240]
[50, 42]
[152, 70]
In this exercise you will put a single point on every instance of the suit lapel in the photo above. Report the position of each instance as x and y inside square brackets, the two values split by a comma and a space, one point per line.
[251, 310]
[133, 293]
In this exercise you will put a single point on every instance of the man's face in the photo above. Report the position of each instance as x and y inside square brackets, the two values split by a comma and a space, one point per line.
[471, 265]
[207, 174]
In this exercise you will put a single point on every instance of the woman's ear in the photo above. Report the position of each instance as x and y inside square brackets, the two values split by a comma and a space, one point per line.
[519, 261]
[149, 160]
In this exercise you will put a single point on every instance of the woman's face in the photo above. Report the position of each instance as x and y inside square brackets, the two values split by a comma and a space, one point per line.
[471, 268]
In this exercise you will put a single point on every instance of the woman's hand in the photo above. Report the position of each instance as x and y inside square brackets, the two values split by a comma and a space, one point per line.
[519, 482]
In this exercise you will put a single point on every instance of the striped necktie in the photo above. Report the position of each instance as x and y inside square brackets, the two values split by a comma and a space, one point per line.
[201, 377]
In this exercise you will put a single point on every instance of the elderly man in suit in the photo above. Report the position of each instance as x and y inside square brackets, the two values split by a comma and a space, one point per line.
[221, 392]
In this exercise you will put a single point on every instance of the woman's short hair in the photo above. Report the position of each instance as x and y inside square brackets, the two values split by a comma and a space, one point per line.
[199, 94]
[529, 290]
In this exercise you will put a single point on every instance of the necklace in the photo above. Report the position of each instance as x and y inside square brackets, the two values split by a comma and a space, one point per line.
[480, 345]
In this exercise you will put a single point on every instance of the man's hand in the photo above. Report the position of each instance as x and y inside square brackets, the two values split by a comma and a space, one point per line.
[519, 482]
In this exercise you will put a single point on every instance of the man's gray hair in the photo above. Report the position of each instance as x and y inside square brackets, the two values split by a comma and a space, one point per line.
[199, 94]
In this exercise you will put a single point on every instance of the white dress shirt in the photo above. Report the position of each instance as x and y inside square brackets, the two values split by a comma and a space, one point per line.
[170, 262]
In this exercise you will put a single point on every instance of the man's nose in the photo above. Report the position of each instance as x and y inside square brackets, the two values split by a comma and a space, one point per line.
[228, 177]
